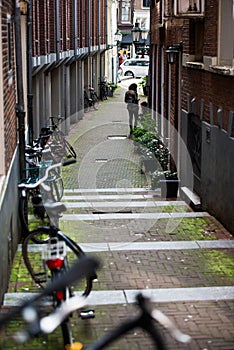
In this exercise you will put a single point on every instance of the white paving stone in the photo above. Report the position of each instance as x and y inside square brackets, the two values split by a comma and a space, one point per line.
[132, 216]
[130, 204]
[160, 295]
[184, 294]
[121, 246]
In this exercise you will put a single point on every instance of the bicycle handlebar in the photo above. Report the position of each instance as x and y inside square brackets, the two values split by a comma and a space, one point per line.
[144, 321]
[85, 267]
[49, 323]
[41, 180]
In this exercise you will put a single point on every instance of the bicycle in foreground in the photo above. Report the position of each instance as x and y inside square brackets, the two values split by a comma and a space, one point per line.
[147, 319]
[48, 253]
[31, 309]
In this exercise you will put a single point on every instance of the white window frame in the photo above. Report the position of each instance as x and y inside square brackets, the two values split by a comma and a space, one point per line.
[181, 8]
[125, 12]
[9, 43]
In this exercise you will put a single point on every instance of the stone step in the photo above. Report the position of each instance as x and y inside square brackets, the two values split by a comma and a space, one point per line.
[191, 198]
[141, 246]
[133, 216]
[160, 295]
[107, 190]
[131, 204]
[109, 197]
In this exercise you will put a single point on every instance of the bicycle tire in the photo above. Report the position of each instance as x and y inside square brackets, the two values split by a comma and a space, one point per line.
[65, 325]
[30, 215]
[86, 105]
[32, 247]
[95, 101]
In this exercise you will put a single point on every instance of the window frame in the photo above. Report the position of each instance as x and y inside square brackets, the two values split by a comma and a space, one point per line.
[9, 48]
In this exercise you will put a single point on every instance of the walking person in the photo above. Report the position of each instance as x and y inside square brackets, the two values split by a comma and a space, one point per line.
[131, 98]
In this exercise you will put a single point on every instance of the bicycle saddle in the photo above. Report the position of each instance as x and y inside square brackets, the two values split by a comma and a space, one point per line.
[53, 209]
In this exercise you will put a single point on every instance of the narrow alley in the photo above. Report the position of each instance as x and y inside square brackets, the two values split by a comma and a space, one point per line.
[181, 259]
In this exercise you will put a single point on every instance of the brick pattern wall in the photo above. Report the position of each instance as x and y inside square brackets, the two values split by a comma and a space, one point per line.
[9, 95]
[44, 28]
[212, 88]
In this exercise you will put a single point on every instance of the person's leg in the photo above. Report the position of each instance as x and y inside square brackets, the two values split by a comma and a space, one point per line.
[130, 121]
[136, 115]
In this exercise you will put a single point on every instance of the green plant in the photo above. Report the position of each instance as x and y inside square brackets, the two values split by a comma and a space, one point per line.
[112, 85]
[142, 82]
[159, 175]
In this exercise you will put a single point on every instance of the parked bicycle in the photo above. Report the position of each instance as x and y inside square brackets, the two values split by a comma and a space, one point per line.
[58, 137]
[148, 320]
[90, 100]
[63, 307]
[48, 252]
[31, 210]
[104, 89]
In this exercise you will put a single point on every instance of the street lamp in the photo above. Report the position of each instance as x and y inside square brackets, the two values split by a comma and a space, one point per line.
[136, 34]
[144, 35]
[118, 37]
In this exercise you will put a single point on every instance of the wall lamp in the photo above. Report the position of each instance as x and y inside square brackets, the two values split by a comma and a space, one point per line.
[172, 52]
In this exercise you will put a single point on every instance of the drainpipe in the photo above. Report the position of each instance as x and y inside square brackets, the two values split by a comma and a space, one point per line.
[106, 22]
[89, 25]
[57, 29]
[29, 73]
[75, 26]
[99, 40]
[169, 107]
[20, 112]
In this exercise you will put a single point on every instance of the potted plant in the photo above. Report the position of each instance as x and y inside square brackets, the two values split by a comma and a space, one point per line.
[111, 88]
[167, 180]
[142, 83]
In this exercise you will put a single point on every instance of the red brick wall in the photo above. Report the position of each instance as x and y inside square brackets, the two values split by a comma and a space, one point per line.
[9, 96]
[44, 30]
[211, 87]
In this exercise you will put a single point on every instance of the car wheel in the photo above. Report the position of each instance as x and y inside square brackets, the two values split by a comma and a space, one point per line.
[129, 74]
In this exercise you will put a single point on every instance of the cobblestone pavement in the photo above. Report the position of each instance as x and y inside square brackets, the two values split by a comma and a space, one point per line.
[183, 260]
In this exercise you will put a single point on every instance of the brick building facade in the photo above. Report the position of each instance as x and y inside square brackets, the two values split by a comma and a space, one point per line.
[70, 42]
[65, 46]
[196, 93]
[9, 167]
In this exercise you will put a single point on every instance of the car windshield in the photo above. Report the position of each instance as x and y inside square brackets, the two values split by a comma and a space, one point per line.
[136, 63]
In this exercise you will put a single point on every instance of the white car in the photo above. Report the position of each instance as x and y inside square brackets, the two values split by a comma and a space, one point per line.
[135, 67]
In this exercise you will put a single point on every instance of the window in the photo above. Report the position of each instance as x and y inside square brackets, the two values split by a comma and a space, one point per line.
[125, 11]
[189, 7]
[225, 34]
[198, 33]
[145, 3]
[9, 46]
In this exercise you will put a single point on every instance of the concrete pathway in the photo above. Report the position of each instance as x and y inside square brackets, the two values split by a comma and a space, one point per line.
[182, 259]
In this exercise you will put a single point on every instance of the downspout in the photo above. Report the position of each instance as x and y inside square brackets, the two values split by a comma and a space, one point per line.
[99, 40]
[20, 112]
[75, 26]
[29, 73]
[106, 23]
[57, 29]
[99, 26]
[89, 26]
